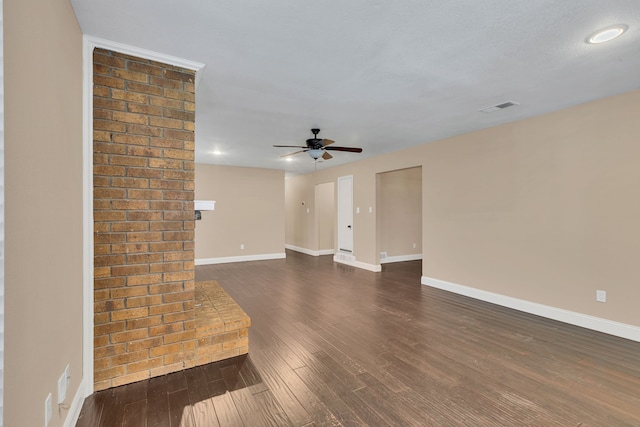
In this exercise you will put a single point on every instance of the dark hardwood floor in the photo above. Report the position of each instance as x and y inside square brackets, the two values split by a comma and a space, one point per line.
[332, 345]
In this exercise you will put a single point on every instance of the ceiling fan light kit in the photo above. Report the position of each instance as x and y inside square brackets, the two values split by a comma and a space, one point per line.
[315, 153]
[317, 147]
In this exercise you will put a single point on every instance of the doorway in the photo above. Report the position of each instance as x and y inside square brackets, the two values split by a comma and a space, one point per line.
[399, 220]
[325, 217]
[345, 214]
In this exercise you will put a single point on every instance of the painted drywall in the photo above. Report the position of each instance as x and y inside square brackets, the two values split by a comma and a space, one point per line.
[544, 209]
[325, 216]
[299, 188]
[399, 202]
[249, 211]
[43, 164]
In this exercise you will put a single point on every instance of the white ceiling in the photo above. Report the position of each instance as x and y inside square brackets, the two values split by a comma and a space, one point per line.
[379, 74]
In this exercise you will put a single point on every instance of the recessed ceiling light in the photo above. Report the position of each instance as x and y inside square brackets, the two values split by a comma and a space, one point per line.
[216, 152]
[606, 34]
[289, 159]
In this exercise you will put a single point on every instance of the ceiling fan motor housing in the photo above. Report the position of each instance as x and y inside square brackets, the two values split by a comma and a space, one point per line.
[315, 143]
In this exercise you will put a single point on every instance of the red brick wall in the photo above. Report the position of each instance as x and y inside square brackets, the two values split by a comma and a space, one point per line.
[143, 120]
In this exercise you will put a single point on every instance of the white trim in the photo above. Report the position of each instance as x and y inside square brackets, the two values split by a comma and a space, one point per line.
[87, 219]
[309, 251]
[198, 67]
[90, 43]
[348, 259]
[400, 258]
[599, 324]
[326, 252]
[2, 216]
[224, 260]
[76, 405]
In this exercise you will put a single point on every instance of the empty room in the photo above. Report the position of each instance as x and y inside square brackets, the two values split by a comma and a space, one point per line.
[295, 213]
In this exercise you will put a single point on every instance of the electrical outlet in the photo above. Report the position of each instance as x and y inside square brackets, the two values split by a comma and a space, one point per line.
[63, 385]
[67, 373]
[62, 388]
[601, 296]
[414, 246]
[48, 410]
[383, 255]
[241, 246]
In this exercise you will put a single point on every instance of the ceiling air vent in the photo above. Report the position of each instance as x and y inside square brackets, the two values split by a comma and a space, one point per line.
[497, 107]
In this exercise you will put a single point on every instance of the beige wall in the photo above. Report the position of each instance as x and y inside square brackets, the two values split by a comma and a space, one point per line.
[300, 227]
[399, 202]
[249, 210]
[544, 209]
[43, 120]
[300, 231]
[325, 215]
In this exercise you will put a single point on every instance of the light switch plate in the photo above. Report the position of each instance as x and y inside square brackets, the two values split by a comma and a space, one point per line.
[48, 410]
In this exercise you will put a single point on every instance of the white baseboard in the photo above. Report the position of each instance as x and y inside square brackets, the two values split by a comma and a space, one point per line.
[76, 404]
[224, 260]
[400, 258]
[326, 252]
[348, 259]
[599, 324]
[309, 251]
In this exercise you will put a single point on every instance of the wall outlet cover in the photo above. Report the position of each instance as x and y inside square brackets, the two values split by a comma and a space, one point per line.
[62, 387]
[383, 255]
[601, 296]
[48, 410]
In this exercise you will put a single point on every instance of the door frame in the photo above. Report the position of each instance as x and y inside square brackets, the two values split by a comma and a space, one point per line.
[340, 218]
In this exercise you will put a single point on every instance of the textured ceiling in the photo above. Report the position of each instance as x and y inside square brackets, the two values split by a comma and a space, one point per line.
[379, 74]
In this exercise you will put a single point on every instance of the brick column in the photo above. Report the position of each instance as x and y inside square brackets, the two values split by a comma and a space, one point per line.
[143, 120]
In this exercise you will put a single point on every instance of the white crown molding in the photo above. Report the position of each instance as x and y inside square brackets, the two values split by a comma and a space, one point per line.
[309, 251]
[224, 260]
[94, 42]
[610, 327]
[400, 258]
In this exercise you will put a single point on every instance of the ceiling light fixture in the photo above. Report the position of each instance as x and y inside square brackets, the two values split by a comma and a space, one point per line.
[315, 153]
[216, 152]
[606, 34]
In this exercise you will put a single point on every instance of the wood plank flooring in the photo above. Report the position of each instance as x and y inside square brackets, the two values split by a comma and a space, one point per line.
[331, 345]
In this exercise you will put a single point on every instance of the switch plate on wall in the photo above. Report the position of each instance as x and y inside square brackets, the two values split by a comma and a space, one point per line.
[62, 387]
[48, 410]
[601, 296]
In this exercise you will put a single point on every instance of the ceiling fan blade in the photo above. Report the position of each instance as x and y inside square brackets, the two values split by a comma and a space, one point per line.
[349, 149]
[326, 142]
[326, 156]
[295, 152]
[290, 146]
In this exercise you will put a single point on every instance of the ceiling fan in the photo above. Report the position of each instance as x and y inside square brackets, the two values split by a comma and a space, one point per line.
[317, 147]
